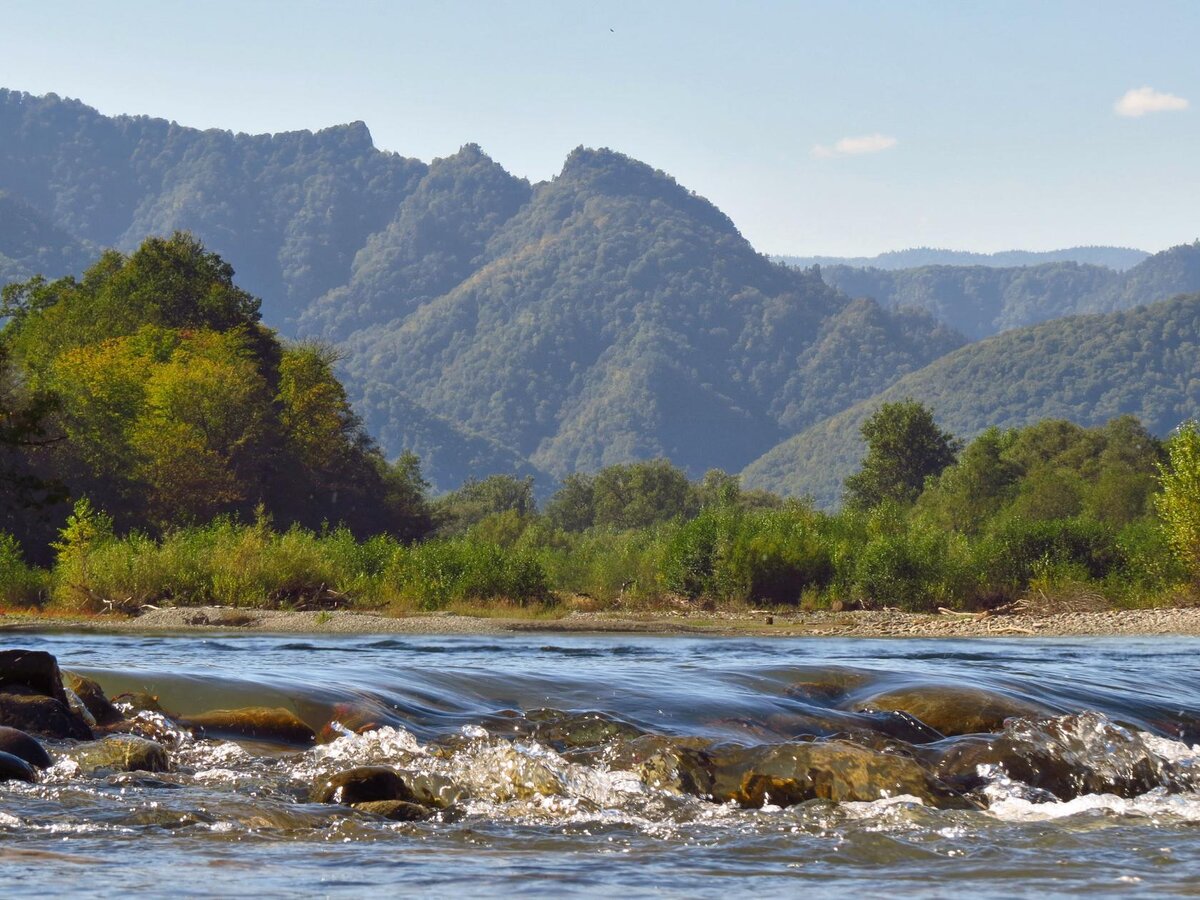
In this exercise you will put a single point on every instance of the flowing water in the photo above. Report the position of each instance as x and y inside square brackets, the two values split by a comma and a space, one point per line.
[525, 737]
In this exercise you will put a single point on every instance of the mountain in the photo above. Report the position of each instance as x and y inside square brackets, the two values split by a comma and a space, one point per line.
[1119, 258]
[1088, 369]
[983, 300]
[603, 316]
[289, 210]
[30, 244]
[619, 316]
[432, 244]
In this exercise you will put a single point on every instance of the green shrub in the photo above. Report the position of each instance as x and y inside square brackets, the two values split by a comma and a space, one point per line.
[1008, 557]
[918, 570]
[20, 583]
[769, 556]
[437, 573]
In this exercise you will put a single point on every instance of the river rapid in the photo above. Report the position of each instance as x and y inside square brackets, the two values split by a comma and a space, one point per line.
[633, 765]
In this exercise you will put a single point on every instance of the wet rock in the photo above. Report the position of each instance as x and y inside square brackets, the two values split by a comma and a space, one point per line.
[39, 714]
[674, 764]
[92, 696]
[32, 696]
[786, 774]
[826, 684]
[954, 710]
[137, 701]
[34, 669]
[18, 743]
[79, 709]
[14, 768]
[431, 789]
[365, 784]
[120, 753]
[259, 723]
[569, 730]
[396, 810]
[1067, 756]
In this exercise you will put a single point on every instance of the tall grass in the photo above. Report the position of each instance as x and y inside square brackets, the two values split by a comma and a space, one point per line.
[737, 557]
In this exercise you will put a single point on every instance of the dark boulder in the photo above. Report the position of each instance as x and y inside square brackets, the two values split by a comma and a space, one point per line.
[32, 696]
[34, 669]
[1067, 756]
[396, 810]
[42, 715]
[364, 784]
[677, 765]
[13, 768]
[18, 743]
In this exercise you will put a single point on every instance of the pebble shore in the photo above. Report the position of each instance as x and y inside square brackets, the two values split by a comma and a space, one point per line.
[866, 624]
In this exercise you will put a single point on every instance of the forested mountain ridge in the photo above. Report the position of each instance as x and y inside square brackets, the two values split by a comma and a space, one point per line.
[619, 316]
[30, 244]
[1119, 258]
[980, 300]
[1086, 369]
[289, 210]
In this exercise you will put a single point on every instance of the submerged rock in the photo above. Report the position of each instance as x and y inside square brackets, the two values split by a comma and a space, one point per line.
[365, 784]
[786, 774]
[14, 768]
[277, 725]
[954, 710]
[121, 753]
[826, 685]
[18, 743]
[568, 730]
[92, 696]
[396, 810]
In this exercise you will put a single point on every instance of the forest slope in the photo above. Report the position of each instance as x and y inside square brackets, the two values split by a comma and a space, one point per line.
[1087, 369]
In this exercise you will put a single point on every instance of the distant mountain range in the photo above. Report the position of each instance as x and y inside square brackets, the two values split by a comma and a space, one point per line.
[1119, 258]
[1088, 369]
[493, 325]
[984, 300]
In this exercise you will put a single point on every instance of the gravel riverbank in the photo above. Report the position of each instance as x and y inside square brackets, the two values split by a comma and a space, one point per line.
[872, 624]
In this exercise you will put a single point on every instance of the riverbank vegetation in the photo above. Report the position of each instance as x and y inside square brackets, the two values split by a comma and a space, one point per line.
[159, 446]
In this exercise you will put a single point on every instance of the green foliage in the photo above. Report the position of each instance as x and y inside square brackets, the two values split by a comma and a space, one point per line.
[1178, 502]
[904, 447]
[1143, 362]
[475, 501]
[20, 584]
[1014, 553]
[640, 494]
[173, 406]
[732, 556]
[916, 570]
[440, 572]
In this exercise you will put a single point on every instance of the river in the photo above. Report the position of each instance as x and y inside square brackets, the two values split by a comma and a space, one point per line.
[525, 733]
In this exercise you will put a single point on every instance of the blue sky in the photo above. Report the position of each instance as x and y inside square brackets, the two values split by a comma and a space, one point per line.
[979, 126]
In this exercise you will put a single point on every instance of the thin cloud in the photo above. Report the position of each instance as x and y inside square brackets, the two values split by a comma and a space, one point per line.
[1139, 101]
[855, 146]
